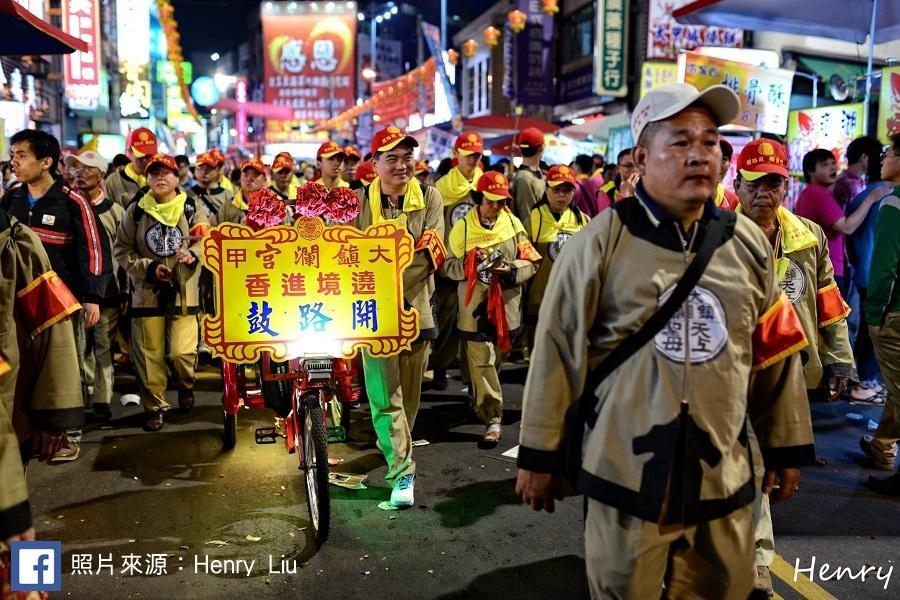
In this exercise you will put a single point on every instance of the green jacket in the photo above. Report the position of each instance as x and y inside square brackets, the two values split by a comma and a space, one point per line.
[883, 297]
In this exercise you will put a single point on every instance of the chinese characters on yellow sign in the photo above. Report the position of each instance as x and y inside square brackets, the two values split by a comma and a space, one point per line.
[611, 61]
[308, 289]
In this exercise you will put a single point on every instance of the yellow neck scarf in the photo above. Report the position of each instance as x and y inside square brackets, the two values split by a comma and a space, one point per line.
[139, 179]
[470, 233]
[545, 229]
[226, 184]
[413, 199]
[454, 186]
[795, 236]
[238, 200]
[338, 183]
[169, 213]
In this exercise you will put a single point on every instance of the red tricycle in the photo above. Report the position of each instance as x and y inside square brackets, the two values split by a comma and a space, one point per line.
[299, 391]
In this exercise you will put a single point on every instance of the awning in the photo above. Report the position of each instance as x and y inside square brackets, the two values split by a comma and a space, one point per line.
[494, 125]
[23, 33]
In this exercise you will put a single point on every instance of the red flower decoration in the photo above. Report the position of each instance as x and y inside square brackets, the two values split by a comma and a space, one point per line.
[342, 205]
[310, 200]
[265, 210]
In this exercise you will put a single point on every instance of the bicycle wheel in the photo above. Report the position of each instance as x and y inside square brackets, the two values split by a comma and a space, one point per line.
[229, 435]
[315, 455]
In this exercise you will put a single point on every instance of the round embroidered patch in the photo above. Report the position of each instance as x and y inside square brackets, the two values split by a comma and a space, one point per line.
[556, 246]
[163, 241]
[458, 212]
[701, 336]
[794, 282]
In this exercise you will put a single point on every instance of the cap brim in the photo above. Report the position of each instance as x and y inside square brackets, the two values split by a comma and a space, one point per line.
[392, 145]
[462, 152]
[556, 183]
[253, 168]
[764, 170]
[721, 100]
[138, 154]
[330, 154]
[496, 197]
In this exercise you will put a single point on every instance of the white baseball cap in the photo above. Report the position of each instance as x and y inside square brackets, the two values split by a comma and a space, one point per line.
[667, 101]
[88, 158]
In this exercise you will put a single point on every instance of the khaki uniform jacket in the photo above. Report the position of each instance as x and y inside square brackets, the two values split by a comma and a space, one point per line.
[472, 322]
[120, 188]
[418, 278]
[41, 391]
[668, 440]
[229, 213]
[110, 214]
[809, 284]
[453, 213]
[548, 249]
[143, 243]
[212, 199]
[527, 189]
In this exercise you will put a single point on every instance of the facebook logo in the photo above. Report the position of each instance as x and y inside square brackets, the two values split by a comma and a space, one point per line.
[36, 566]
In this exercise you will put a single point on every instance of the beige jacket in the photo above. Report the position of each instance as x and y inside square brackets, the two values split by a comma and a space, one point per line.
[143, 243]
[212, 200]
[110, 215]
[418, 278]
[527, 188]
[670, 427]
[549, 242]
[120, 188]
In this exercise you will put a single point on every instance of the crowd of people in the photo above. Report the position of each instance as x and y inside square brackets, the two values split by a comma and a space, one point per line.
[560, 266]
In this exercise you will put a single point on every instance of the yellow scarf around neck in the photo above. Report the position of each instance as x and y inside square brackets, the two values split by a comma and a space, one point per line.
[238, 200]
[795, 236]
[469, 233]
[413, 199]
[545, 229]
[169, 213]
[454, 186]
[139, 179]
[226, 184]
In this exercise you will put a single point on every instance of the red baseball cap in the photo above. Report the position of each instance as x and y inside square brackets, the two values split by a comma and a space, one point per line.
[560, 174]
[365, 172]
[494, 186]
[329, 149]
[207, 159]
[352, 151]
[531, 138]
[142, 142]
[283, 160]
[218, 156]
[762, 157]
[422, 167]
[253, 163]
[162, 159]
[469, 143]
[391, 137]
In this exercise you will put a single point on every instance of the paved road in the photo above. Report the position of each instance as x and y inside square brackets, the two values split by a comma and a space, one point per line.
[176, 496]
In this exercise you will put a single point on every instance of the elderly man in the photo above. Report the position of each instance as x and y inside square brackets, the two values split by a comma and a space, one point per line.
[122, 185]
[667, 468]
[804, 271]
[394, 385]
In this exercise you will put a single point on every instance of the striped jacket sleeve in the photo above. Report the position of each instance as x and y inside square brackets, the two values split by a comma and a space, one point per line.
[92, 245]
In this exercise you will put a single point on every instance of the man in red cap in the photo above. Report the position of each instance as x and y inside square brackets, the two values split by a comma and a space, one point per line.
[528, 183]
[490, 258]
[284, 183]
[123, 185]
[804, 271]
[352, 158]
[329, 159]
[456, 189]
[208, 188]
[253, 178]
[394, 385]
[423, 171]
[364, 175]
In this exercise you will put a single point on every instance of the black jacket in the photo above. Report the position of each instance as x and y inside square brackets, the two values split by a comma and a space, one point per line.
[75, 241]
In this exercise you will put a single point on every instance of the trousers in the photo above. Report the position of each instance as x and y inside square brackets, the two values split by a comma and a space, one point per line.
[158, 343]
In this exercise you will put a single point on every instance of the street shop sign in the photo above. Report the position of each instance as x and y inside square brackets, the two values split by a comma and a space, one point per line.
[611, 61]
[828, 127]
[889, 103]
[666, 37]
[81, 19]
[308, 290]
[765, 94]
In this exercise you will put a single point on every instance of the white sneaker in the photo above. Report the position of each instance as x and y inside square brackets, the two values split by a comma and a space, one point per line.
[402, 494]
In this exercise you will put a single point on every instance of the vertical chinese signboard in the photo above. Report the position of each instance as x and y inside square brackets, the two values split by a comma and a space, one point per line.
[656, 74]
[666, 36]
[81, 19]
[829, 127]
[533, 55]
[310, 64]
[308, 289]
[611, 61]
[889, 104]
[764, 93]
[133, 43]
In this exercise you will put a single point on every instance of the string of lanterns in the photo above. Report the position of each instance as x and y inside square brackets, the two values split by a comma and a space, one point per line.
[394, 89]
[175, 56]
[517, 21]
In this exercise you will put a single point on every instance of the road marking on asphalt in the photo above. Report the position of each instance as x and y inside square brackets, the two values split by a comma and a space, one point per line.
[806, 588]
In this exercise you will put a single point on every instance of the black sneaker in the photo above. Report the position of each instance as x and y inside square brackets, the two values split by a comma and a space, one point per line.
[185, 400]
[888, 486]
[439, 382]
[102, 412]
[154, 421]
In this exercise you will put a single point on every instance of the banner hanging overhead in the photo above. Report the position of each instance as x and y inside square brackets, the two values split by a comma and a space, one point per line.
[310, 63]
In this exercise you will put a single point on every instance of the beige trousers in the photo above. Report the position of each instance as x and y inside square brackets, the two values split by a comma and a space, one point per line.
[394, 388]
[157, 342]
[887, 351]
[629, 558]
[98, 363]
[484, 360]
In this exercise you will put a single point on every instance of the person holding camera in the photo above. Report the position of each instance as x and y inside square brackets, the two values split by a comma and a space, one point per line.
[489, 254]
[158, 245]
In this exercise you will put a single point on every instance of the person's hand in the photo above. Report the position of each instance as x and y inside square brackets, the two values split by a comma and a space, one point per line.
[480, 254]
[878, 192]
[503, 268]
[90, 315]
[25, 536]
[838, 386]
[184, 257]
[45, 443]
[539, 490]
[163, 274]
[874, 331]
[781, 483]
[629, 184]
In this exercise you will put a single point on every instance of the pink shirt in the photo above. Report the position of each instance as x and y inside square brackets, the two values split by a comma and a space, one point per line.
[817, 204]
[848, 186]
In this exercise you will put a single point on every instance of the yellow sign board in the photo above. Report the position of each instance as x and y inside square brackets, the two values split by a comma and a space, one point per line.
[308, 290]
